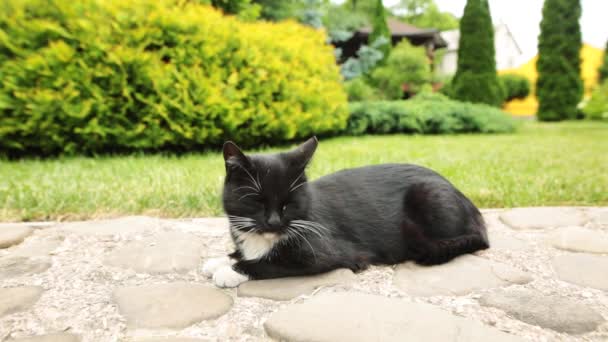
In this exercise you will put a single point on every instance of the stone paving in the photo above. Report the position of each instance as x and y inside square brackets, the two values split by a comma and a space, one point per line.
[139, 279]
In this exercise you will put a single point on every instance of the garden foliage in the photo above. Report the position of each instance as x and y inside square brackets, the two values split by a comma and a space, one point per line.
[405, 65]
[95, 76]
[559, 86]
[426, 114]
[380, 31]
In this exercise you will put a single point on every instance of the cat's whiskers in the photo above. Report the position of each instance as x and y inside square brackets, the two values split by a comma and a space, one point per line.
[298, 234]
[295, 181]
[297, 186]
[312, 225]
[245, 187]
[308, 228]
[248, 194]
[256, 184]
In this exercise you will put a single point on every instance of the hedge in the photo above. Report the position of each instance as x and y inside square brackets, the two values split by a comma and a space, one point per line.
[93, 76]
[426, 114]
[514, 86]
[596, 108]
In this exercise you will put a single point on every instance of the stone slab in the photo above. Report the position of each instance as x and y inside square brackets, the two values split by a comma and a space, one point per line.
[506, 242]
[15, 299]
[288, 288]
[577, 239]
[548, 311]
[543, 217]
[358, 317]
[50, 338]
[10, 236]
[123, 225]
[19, 266]
[583, 269]
[173, 306]
[39, 248]
[171, 339]
[460, 276]
[162, 253]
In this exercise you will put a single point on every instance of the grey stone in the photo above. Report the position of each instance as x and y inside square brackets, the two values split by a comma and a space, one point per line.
[583, 269]
[50, 338]
[123, 225]
[506, 242]
[544, 217]
[171, 339]
[288, 288]
[578, 239]
[553, 312]
[460, 276]
[174, 306]
[599, 217]
[163, 253]
[39, 248]
[20, 266]
[357, 317]
[15, 299]
[10, 236]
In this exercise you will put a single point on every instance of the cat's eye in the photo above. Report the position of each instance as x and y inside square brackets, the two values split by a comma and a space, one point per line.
[284, 207]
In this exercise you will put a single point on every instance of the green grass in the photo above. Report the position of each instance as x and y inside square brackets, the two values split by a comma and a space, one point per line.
[541, 164]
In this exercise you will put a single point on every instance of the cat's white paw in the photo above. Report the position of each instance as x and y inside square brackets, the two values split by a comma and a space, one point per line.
[225, 276]
[212, 265]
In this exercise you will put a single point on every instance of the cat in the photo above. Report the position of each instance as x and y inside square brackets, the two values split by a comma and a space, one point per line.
[282, 225]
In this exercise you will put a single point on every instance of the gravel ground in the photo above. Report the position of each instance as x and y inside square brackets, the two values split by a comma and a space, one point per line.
[79, 288]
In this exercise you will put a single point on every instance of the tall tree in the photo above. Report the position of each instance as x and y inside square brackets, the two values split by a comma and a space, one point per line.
[604, 67]
[476, 79]
[380, 29]
[559, 86]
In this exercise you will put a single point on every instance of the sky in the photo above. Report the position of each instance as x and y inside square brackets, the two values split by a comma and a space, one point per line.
[523, 19]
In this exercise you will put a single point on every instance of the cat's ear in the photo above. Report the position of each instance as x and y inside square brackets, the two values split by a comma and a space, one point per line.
[301, 155]
[233, 155]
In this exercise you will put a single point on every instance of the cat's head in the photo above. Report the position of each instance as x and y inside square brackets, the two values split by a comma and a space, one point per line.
[265, 193]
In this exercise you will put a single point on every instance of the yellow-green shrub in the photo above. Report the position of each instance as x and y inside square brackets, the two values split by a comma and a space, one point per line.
[120, 75]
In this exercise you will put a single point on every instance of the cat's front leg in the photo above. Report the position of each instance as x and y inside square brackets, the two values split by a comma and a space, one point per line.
[212, 265]
[263, 269]
[226, 276]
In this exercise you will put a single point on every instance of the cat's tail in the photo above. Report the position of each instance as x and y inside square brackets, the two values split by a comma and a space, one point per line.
[444, 250]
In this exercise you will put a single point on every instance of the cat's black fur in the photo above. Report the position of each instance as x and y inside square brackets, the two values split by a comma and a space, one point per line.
[381, 214]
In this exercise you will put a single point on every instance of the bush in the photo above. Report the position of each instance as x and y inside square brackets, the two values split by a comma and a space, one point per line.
[426, 114]
[475, 79]
[597, 107]
[559, 86]
[359, 90]
[93, 76]
[603, 72]
[514, 86]
[405, 64]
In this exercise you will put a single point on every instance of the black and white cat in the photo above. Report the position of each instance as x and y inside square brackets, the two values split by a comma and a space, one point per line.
[282, 225]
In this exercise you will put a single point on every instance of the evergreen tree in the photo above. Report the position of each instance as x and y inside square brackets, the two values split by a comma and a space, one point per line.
[476, 80]
[559, 86]
[604, 67]
[380, 30]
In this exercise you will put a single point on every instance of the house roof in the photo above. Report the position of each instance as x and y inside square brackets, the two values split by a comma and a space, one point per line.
[401, 29]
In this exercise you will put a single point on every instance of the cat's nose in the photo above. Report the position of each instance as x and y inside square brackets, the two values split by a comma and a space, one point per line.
[274, 221]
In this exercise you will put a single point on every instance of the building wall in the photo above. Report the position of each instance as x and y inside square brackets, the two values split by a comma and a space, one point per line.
[507, 51]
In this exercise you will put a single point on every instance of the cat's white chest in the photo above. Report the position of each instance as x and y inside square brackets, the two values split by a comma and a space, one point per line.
[255, 246]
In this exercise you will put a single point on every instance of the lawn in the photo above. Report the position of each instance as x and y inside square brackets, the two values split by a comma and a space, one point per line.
[540, 165]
